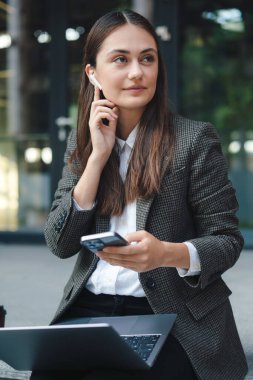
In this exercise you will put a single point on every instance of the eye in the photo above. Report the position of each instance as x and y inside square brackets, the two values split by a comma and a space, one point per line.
[148, 58]
[120, 59]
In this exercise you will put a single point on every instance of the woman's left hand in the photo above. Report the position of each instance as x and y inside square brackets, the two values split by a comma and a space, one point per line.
[144, 253]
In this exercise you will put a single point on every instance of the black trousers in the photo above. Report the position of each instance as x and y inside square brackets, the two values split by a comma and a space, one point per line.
[171, 364]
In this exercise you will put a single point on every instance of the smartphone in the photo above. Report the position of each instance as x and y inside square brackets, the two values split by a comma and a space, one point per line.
[97, 242]
[96, 83]
[105, 121]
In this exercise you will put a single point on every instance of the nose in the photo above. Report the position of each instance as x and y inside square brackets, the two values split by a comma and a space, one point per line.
[135, 71]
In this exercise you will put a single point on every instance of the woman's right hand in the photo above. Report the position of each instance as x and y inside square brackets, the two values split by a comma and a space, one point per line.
[102, 136]
[103, 140]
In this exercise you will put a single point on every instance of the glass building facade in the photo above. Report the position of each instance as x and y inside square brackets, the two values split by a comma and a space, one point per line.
[209, 55]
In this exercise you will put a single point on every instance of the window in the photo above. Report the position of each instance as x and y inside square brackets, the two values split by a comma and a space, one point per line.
[216, 83]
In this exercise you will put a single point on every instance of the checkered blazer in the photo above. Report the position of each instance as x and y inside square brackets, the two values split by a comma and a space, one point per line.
[196, 203]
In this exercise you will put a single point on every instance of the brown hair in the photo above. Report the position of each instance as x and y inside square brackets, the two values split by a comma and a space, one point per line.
[155, 139]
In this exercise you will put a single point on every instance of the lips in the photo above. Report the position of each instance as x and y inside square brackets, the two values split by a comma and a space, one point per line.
[135, 88]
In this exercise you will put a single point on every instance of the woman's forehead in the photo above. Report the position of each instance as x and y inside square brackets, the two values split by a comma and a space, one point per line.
[128, 37]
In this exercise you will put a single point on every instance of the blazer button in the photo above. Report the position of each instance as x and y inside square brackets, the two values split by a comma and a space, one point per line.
[150, 283]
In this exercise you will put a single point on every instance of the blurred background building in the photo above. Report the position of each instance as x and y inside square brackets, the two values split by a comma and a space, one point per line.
[208, 50]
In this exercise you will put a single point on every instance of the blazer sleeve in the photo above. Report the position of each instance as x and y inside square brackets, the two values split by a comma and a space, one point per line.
[214, 206]
[65, 224]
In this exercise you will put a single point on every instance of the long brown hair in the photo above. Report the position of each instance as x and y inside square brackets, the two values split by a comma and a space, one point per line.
[155, 139]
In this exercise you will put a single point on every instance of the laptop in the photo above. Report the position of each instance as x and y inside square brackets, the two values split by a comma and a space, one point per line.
[127, 342]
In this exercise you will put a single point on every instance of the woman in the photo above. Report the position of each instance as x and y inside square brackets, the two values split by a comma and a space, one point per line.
[161, 181]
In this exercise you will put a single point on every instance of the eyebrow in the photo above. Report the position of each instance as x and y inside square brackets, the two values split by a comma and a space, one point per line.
[122, 51]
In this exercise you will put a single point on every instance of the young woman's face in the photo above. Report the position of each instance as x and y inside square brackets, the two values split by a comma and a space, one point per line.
[127, 67]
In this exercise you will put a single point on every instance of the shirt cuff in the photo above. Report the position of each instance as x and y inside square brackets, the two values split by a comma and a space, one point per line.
[79, 208]
[195, 268]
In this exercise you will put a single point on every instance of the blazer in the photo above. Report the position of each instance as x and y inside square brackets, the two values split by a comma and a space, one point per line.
[196, 203]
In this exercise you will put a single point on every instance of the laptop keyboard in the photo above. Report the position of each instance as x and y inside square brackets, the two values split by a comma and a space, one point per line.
[142, 344]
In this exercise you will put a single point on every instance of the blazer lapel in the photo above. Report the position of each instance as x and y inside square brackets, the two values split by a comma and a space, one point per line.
[142, 211]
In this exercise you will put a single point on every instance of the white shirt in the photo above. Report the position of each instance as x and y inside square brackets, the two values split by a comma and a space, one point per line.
[113, 280]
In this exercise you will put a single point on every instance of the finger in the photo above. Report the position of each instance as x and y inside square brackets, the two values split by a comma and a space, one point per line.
[103, 115]
[96, 93]
[135, 237]
[133, 248]
[106, 110]
[115, 250]
[132, 262]
[135, 266]
[116, 111]
[131, 258]
[125, 264]
[105, 103]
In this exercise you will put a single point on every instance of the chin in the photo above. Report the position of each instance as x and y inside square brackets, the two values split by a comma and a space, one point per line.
[135, 103]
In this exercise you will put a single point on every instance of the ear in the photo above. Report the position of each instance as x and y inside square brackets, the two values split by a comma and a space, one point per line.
[89, 70]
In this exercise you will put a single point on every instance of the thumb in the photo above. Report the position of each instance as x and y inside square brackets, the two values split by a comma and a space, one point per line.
[135, 236]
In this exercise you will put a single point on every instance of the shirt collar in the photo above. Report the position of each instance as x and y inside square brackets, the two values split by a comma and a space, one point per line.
[129, 141]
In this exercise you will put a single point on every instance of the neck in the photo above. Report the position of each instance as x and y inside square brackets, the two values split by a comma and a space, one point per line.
[128, 119]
